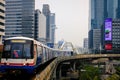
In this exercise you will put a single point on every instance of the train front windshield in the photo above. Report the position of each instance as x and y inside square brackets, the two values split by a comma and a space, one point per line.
[21, 49]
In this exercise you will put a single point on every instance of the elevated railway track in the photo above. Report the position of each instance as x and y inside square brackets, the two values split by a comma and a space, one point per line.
[49, 72]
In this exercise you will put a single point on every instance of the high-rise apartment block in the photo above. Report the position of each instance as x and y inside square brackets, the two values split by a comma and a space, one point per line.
[19, 18]
[2, 19]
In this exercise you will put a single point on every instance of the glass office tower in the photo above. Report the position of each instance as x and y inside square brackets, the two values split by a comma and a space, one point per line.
[19, 18]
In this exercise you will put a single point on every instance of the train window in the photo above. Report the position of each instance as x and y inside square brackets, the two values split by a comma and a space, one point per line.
[44, 55]
[17, 50]
[7, 51]
[27, 51]
[71, 53]
[39, 50]
[35, 49]
[7, 47]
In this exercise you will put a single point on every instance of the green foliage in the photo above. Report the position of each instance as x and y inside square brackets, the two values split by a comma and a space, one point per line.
[117, 70]
[96, 78]
[89, 73]
[114, 77]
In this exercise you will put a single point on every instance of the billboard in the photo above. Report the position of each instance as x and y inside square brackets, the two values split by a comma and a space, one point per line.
[108, 46]
[108, 29]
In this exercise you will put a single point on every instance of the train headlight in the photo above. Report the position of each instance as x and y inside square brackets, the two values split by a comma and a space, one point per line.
[24, 64]
[7, 63]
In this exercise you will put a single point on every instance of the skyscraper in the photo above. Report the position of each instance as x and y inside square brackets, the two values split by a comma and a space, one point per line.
[2, 19]
[112, 6]
[100, 12]
[118, 9]
[19, 18]
[46, 12]
[92, 15]
[52, 27]
[102, 9]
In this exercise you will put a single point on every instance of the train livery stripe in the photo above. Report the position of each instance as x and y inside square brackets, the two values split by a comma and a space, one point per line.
[18, 64]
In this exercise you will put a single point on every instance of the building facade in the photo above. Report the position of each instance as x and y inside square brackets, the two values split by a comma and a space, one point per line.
[2, 19]
[19, 18]
[116, 35]
[85, 43]
[111, 36]
[100, 10]
[40, 26]
[94, 45]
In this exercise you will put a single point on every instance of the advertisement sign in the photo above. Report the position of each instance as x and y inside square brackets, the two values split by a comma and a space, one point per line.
[108, 29]
[108, 46]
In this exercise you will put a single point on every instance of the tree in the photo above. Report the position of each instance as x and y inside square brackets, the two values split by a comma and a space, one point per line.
[89, 73]
[114, 77]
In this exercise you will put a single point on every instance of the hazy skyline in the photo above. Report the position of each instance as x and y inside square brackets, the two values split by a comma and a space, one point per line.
[71, 19]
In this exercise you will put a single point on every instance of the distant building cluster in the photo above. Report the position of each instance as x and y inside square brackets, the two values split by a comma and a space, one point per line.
[19, 18]
[104, 26]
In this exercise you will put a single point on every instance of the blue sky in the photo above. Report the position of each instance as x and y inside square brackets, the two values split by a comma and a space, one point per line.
[71, 19]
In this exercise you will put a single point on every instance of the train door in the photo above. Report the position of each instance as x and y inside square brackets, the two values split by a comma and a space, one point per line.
[54, 54]
[35, 52]
[47, 52]
[50, 54]
[44, 55]
[39, 54]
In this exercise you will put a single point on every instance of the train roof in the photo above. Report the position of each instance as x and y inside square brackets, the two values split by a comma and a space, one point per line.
[35, 41]
[26, 38]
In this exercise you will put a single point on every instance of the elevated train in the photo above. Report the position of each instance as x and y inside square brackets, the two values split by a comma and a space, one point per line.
[27, 54]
